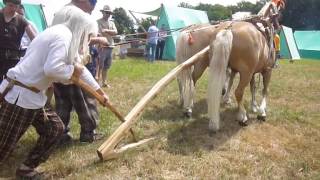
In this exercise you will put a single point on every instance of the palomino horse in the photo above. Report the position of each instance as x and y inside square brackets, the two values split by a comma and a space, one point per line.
[246, 37]
[192, 40]
[243, 48]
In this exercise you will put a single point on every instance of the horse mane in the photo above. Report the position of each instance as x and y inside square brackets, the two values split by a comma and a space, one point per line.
[193, 27]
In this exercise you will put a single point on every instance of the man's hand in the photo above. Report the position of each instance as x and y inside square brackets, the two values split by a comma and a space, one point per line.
[105, 96]
[99, 40]
[78, 68]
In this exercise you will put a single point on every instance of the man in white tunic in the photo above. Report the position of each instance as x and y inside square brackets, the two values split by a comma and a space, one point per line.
[49, 58]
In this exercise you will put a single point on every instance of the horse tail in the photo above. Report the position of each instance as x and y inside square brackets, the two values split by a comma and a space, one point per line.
[220, 52]
[185, 82]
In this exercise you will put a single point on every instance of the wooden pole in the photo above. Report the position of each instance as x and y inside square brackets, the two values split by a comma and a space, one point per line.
[101, 99]
[107, 149]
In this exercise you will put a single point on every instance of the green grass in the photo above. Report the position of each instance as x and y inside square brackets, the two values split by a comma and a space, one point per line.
[286, 146]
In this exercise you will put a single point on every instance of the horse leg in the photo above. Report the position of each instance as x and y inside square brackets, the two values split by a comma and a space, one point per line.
[186, 88]
[254, 106]
[226, 99]
[244, 81]
[263, 106]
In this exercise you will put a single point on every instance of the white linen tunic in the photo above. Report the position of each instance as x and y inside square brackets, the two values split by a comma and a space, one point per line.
[45, 62]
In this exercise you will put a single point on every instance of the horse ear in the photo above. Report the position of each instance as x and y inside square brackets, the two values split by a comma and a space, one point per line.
[190, 39]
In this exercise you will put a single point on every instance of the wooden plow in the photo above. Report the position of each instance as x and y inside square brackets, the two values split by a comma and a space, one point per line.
[108, 149]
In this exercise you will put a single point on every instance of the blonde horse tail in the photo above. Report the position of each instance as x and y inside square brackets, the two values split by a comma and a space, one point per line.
[185, 82]
[220, 52]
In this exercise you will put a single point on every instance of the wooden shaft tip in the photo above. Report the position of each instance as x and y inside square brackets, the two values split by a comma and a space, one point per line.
[100, 155]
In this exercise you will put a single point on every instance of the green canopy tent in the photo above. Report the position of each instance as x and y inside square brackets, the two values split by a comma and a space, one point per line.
[308, 44]
[34, 13]
[175, 18]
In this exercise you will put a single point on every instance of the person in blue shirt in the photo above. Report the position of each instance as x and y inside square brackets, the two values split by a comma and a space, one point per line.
[92, 65]
[152, 39]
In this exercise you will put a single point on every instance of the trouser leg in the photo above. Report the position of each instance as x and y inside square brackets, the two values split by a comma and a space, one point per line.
[50, 130]
[85, 111]
[14, 122]
[63, 103]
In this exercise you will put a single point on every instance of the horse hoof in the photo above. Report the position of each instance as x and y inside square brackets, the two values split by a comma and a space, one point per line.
[212, 133]
[261, 118]
[188, 114]
[241, 123]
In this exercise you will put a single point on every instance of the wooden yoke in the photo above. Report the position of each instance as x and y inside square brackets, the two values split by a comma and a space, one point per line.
[107, 149]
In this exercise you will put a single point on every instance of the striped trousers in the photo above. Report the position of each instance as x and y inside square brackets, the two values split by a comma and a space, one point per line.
[14, 122]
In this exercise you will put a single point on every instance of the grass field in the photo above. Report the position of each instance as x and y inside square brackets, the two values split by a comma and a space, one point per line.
[286, 146]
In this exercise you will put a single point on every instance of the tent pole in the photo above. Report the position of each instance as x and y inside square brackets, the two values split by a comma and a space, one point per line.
[137, 20]
[44, 16]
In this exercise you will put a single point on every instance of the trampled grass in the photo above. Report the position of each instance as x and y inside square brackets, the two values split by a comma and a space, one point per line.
[286, 146]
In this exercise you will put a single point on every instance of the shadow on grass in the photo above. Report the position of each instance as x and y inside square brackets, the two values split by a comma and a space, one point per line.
[173, 111]
[193, 135]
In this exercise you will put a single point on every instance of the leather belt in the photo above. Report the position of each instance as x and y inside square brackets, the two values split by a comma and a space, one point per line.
[17, 83]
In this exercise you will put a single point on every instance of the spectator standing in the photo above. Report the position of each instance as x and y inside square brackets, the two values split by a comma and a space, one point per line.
[12, 27]
[107, 29]
[25, 41]
[68, 97]
[161, 42]
[152, 39]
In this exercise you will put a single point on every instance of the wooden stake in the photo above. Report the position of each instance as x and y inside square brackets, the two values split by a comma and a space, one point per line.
[107, 149]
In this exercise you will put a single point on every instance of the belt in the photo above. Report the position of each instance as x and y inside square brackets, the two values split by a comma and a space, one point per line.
[17, 83]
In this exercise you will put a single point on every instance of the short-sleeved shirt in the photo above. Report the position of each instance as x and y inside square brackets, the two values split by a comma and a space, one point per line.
[11, 32]
[109, 24]
[162, 34]
[153, 34]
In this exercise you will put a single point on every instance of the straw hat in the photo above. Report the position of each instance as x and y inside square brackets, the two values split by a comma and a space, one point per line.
[107, 9]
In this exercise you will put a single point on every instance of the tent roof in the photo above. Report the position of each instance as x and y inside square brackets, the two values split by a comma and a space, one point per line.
[155, 12]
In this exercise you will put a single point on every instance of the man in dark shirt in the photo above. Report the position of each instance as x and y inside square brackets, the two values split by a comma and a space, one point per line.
[12, 27]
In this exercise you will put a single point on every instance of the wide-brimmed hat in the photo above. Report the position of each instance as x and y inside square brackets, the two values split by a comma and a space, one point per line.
[106, 8]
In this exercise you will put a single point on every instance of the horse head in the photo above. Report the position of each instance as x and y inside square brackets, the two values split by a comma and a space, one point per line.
[275, 12]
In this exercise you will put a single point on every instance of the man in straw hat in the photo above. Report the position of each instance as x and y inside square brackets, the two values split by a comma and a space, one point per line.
[23, 91]
[107, 29]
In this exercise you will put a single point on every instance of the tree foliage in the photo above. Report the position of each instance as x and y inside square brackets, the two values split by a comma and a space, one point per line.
[215, 12]
[298, 14]
[302, 14]
[123, 22]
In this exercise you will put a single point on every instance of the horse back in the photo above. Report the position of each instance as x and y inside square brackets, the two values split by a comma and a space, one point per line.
[249, 47]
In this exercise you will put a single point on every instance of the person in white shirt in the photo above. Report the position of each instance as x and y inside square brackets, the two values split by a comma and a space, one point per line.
[152, 40]
[51, 57]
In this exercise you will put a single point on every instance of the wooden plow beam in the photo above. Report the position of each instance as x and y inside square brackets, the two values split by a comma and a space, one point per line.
[108, 149]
